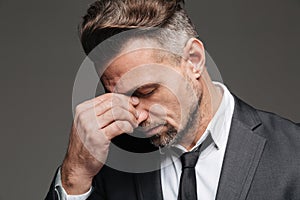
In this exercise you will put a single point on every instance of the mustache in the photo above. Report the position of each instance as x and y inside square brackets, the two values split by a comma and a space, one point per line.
[145, 127]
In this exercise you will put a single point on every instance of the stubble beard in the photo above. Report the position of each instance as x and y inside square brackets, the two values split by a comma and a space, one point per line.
[172, 135]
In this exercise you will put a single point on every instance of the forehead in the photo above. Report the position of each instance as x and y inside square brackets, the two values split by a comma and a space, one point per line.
[140, 63]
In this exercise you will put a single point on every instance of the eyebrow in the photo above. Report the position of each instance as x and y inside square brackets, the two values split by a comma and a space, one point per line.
[146, 86]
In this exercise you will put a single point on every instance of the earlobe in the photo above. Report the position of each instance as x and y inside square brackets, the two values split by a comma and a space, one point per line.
[198, 74]
[196, 69]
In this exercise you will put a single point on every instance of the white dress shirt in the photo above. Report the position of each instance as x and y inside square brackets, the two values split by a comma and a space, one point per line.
[209, 164]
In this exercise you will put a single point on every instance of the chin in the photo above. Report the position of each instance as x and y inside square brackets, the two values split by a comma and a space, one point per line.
[165, 139]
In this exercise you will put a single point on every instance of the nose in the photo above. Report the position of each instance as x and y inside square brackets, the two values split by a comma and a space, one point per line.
[154, 112]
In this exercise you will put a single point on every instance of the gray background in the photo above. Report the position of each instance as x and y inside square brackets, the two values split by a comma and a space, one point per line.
[254, 43]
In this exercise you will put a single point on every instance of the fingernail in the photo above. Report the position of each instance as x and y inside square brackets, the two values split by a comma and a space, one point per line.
[137, 114]
[135, 100]
[136, 125]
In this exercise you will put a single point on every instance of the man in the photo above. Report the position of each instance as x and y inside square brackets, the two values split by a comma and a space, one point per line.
[158, 88]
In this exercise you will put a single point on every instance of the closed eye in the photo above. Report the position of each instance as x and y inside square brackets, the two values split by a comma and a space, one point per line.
[146, 93]
[145, 90]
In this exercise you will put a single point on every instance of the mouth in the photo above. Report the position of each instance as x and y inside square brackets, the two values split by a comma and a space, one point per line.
[151, 131]
[154, 131]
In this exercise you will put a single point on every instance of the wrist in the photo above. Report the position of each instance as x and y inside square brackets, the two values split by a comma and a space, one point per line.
[74, 180]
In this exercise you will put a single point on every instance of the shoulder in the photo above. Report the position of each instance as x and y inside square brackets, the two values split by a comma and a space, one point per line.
[269, 125]
[280, 129]
[282, 136]
[282, 147]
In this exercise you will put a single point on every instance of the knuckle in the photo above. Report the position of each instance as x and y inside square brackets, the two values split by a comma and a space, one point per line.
[88, 128]
[109, 104]
[100, 98]
[78, 109]
[81, 117]
[116, 100]
[106, 133]
[85, 123]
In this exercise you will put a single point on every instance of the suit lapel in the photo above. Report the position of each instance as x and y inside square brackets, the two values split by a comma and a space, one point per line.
[148, 186]
[243, 152]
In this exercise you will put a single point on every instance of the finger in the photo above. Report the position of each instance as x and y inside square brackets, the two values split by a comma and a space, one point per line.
[109, 104]
[116, 114]
[86, 105]
[142, 116]
[117, 128]
[84, 114]
[108, 98]
[133, 100]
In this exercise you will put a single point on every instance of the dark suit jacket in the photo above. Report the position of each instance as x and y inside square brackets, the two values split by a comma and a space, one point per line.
[262, 162]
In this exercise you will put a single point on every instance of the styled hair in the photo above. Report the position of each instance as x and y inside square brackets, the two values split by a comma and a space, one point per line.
[169, 22]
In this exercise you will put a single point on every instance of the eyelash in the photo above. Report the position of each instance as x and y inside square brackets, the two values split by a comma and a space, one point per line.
[139, 94]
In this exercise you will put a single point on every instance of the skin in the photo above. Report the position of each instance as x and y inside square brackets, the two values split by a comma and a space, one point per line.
[171, 102]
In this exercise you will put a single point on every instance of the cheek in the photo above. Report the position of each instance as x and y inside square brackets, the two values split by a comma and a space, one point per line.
[165, 105]
[170, 102]
[173, 110]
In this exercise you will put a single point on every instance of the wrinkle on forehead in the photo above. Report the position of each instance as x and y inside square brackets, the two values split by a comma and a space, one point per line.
[153, 74]
[136, 54]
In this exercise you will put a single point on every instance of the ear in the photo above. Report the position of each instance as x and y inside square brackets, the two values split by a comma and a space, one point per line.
[194, 54]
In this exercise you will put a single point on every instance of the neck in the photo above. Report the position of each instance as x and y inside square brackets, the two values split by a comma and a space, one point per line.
[210, 101]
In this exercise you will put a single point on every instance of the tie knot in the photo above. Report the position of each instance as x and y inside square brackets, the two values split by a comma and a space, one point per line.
[189, 159]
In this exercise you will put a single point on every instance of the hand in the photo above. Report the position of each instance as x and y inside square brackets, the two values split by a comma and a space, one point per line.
[96, 122]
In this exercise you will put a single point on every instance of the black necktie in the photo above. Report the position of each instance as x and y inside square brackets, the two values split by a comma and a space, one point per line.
[187, 186]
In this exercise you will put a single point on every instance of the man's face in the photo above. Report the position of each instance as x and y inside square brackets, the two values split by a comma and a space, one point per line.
[166, 91]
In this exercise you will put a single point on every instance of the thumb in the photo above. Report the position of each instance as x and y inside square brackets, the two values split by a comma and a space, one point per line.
[142, 116]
